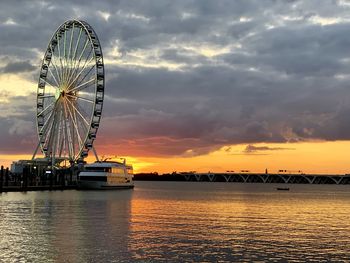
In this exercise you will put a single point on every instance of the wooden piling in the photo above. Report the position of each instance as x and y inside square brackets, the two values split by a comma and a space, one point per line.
[7, 176]
[51, 179]
[1, 177]
[25, 178]
[70, 176]
[63, 179]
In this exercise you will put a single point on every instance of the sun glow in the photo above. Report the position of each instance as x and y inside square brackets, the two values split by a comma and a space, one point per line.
[308, 157]
[14, 85]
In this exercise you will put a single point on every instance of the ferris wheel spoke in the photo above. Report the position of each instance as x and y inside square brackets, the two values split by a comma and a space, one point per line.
[52, 126]
[88, 59]
[59, 56]
[87, 123]
[86, 127]
[71, 42]
[78, 134]
[63, 146]
[64, 143]
[56, 73]
[69, 141]
[78, 42]
[57, 137]
[85, 86]
[70, 81]
[62, 134]
[82, 52]
[58, 131]
[81, 86]
[78, 68]
[67, 55]
[88, 94]
[64, 43]
[73, 137]
[68, 137]
[66, 132]
[63, 58]
[87, 74]
[45, 132]
[51, 133]
[45, 79]
[46, 108]
[81, 55]
[53, 76]
[53, 62]
[47, 121]
[73, 118]
[64, 51]
[61, 143]
[79, 74]
[58, 69]
[81, 98]
[46, 96]
[70, 51]
[50, 84]
[75, 50]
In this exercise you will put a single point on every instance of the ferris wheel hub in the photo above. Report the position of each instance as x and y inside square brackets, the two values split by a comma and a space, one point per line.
[57, 94]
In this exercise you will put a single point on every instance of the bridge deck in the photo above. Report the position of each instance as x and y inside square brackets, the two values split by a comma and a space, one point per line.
[268, 178]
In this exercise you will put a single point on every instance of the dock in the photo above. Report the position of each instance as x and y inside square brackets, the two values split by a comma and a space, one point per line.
[66, 181]
[35, 180]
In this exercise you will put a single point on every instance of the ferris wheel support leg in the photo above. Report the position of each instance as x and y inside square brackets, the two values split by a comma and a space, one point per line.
[53, 168]
[95, 153]
[36, 150]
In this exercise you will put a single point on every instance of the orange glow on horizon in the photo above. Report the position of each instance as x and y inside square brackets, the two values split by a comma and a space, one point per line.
[309, 157]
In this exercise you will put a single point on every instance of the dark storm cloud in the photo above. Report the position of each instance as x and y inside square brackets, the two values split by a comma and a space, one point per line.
[187, 77]
[17, 118]
[17, 67]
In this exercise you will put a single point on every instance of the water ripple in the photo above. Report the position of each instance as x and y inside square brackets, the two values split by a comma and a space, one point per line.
[177, 222]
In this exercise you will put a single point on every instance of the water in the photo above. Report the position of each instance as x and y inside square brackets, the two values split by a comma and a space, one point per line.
[178, 221]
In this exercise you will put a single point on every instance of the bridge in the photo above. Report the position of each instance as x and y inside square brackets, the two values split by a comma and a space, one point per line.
[284, 178]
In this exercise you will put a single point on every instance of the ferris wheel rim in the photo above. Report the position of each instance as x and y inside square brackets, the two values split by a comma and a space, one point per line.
[85, 142]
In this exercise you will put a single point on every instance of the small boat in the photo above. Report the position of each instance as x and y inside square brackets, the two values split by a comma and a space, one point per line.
[106, 175]
[282, 188]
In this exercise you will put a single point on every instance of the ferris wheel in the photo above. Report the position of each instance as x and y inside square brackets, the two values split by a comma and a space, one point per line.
[70, 93]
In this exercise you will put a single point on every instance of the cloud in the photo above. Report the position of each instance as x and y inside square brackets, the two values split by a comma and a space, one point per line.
[21, 127]
[17, 67]
[188, 77]
[249, 149]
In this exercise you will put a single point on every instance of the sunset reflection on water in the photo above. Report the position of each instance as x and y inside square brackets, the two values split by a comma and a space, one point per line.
[206, 222]
[177, 221]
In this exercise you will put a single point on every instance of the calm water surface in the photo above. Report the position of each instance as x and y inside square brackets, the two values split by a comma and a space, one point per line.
[178, 221]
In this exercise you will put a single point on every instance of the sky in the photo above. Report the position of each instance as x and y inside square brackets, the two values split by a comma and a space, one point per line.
[196, 85]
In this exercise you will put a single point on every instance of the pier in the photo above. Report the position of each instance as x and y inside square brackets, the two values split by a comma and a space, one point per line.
[36, 178]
